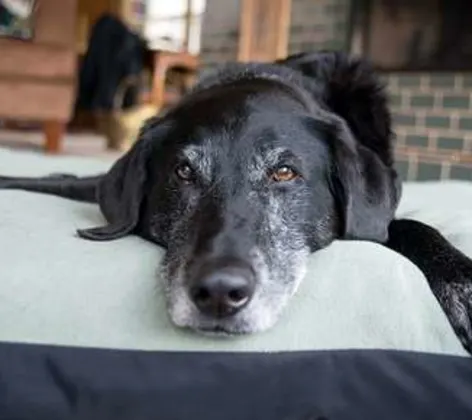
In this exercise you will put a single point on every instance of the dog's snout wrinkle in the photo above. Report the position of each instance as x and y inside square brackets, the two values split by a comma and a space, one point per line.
[222, 287]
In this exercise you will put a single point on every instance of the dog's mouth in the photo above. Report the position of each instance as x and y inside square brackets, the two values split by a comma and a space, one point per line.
[218, 331]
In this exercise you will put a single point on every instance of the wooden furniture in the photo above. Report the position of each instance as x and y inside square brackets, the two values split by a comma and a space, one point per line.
[264, 30]
[121, 126]
[37, 77]
[163, 62]
[155, 96]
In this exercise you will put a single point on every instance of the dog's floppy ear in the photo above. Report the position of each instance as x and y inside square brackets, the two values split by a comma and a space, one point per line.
[355, 106]
[350, 88]
[121, 190]
[366, 189]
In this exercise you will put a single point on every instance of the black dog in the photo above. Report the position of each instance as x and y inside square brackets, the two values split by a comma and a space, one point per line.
[259, 166]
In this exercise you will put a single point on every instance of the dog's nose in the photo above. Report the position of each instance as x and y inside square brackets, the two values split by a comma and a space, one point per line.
[223, 292]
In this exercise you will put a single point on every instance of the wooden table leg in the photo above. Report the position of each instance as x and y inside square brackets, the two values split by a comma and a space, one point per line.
[53, 133]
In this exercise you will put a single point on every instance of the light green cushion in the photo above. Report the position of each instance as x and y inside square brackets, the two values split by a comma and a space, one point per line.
[56, 288]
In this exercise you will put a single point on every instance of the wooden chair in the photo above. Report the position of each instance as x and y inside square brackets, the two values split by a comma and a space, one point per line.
[37, 77]
[163, 62]
[121, 127]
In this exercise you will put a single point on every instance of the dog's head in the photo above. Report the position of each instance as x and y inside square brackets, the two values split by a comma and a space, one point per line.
[248, 175]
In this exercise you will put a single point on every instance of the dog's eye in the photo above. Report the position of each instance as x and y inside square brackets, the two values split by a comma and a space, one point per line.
[283, 174]
[185, 172]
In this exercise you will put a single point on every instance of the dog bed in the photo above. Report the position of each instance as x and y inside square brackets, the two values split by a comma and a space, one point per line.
[84, 332]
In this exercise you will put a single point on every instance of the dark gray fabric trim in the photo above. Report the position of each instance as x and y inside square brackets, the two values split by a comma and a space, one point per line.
[49, 383]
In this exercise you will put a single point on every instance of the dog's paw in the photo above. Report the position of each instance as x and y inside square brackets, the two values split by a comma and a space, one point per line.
[456, 300]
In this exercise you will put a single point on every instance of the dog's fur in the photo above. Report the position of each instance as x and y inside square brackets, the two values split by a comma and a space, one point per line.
[323, 115]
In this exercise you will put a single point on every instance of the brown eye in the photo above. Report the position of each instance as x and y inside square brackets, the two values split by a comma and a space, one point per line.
[283, 174]
[184, 172]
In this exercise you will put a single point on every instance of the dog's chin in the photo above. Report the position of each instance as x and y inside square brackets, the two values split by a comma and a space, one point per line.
[227, 327]
[220, 332]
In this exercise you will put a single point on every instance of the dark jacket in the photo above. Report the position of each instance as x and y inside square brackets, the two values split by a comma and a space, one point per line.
[114, 53]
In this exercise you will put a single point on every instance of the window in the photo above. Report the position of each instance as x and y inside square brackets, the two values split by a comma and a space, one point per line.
[174, 24]
[414, 34]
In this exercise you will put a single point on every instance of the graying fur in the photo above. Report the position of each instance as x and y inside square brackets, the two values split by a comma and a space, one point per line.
[277, 282]
[279, 259]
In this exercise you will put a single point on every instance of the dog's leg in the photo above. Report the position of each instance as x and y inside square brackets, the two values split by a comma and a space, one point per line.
[63, 185]
[447, 270]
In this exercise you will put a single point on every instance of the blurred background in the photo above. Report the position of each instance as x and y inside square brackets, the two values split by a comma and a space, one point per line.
[80, 76]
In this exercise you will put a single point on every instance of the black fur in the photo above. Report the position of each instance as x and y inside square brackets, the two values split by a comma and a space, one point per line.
[329, 113]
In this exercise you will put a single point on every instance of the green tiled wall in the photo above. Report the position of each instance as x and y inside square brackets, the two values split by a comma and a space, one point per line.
[432, 115]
